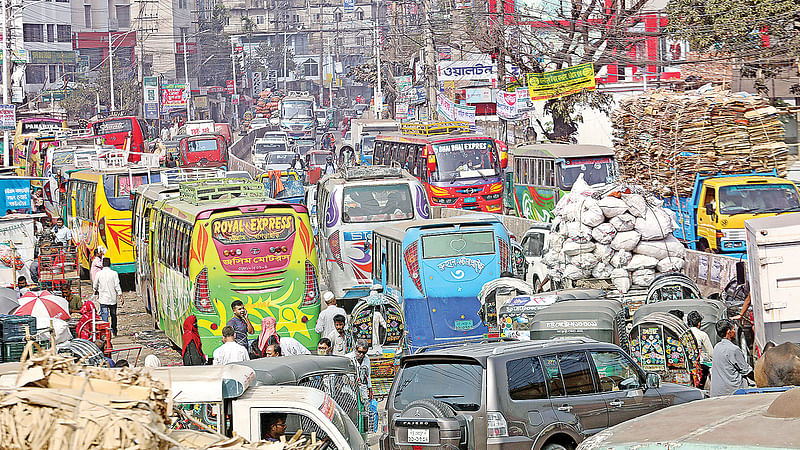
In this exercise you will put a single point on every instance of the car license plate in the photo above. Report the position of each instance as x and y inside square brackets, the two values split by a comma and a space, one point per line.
[463, 324]
[418, 436]
[469, 199]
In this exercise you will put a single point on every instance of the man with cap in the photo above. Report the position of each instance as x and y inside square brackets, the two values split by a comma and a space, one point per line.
[325, 324]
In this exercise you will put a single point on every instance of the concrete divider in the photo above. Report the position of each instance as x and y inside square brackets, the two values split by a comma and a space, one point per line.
[242, 147]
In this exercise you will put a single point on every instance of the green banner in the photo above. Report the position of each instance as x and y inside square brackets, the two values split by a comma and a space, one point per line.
[51, 57]
[558, 83]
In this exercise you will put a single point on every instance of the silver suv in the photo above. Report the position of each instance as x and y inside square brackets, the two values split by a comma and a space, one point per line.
[520, 395]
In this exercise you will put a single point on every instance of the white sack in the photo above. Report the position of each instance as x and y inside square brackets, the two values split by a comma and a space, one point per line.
[612, 206]
[620, 259]
[670, 264]
[555, 242]
[579, 232]
[621, 280]
[572, 273]
[641, 262]
[579, 186]
[584, 261]
[625, 240]
[601, 270]
[636, 204]
[604, 233]
[590, 214]
[643, 277]
[603, 252]
[655, 225]
[669, 246]
[573, 248]
[623, 222]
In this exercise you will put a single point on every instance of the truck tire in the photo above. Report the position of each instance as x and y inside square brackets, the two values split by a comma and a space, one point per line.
[437, 408]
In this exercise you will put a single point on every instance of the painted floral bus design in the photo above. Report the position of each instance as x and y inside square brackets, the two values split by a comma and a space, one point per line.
[351, 204]
[209, 253]
[543, 173]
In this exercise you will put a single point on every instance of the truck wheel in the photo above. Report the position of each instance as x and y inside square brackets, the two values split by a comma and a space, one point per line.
[702, 246]
[535, 284]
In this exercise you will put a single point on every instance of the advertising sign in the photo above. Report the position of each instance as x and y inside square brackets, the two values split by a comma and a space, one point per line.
[151, 110]
[173, 95]
[191, 47]
[401, 110]
[7, 117]
[200, 102]
[449, 110]
[229, 87]
[403, 82]
[464, 70]
[558, 83]
[445, 52]
[479, 95]
[349, 5]
[417, 95]
[507, 105]
[16, 194]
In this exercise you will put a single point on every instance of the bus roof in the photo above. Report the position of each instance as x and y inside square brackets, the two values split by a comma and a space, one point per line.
[41, 119]
[398, 231]
[191, 210]
[563, 150]
[397, 136]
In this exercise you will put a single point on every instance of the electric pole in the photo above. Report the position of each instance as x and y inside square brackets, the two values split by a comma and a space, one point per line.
[233, 71]
[111, 65]
[6, 152]
[501, 64]
[186, 78]
[430, 60]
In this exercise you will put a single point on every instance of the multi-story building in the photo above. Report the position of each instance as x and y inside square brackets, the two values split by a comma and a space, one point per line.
[162, 26]
[94, 24]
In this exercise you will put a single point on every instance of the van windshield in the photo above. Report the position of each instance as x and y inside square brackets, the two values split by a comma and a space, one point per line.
[367, 144]
[594, 170]
[464, 395]
[457, 244]
[377, 203]
[262, 148]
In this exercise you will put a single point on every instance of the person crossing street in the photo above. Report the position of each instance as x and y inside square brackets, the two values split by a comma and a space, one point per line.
[109, 293]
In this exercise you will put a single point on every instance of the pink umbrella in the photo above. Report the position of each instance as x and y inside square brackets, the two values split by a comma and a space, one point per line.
[43, 305]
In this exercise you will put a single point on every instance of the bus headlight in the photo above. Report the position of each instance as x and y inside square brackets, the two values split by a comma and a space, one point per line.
[444, 200]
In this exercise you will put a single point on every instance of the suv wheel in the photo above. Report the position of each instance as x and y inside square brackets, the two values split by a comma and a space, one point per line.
[554, 446]
[437, 408]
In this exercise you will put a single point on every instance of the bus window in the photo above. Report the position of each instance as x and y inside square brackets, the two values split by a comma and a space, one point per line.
[377, 203]
[457, 244]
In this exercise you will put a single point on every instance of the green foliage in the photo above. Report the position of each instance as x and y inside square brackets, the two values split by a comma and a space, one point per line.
[82, 101]
[270, 57]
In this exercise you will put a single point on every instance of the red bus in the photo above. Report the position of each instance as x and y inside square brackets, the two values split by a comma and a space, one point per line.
[117, 131]
[459, 169]
[204, 150]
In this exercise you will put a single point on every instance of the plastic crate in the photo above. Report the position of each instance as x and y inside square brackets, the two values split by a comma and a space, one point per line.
[12, 328]
[12, 351]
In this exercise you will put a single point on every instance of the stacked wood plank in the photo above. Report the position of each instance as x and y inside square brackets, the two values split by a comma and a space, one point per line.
[663, 139]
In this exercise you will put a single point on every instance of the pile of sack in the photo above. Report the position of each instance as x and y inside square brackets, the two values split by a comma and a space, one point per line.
[616, 232]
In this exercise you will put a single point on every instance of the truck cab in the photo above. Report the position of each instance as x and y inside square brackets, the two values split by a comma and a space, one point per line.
[713, 218]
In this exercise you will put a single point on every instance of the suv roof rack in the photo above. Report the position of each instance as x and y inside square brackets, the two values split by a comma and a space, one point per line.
[216, 189]
[434, 128]
[370, 172]
[481, 340]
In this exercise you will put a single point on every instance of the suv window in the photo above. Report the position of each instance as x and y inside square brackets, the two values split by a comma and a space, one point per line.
[436, 380]
[616, 372]
[568, 374]
[525, 379]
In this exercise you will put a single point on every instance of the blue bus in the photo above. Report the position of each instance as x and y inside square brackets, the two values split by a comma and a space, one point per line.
[435, 270]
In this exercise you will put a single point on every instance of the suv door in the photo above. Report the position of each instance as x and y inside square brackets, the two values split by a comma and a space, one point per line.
[529, 405]
[622, 385]
[572, 391]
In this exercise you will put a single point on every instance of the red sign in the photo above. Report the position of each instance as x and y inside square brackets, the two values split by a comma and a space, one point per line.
[92, 39]
[191, 47]
[230, 87]
[215, 89]
[173, 95]
[235, 99]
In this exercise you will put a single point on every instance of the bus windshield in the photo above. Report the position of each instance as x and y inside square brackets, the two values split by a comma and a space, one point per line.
[113, 126]
[203, 145]
[35, 126]
[458, 244]
[377, 203]
[296, 110]
[594, 170]
[756, 198]
[263, 148]
[118, 188]
[280, 158]
[465, 159]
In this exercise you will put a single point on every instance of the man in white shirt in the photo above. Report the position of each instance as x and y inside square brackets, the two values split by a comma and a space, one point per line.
[325, 320]
[109, 293]
[63, 233]
[229, 351]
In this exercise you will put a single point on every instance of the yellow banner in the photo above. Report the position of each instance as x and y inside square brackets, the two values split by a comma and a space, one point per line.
[558, 83]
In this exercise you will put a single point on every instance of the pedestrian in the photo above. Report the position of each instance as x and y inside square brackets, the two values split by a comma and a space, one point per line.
[33, 268]
[230, 351]
[341, 339]
[364, 369]
[97, 263]
[22, 286]
[192, 351]
[109, 294]
[63, 233]
[149, 361]
[269, 336]
[240, 323]
[273, 351]
[730, 366]
[164, 134]
[694, 319]
[329, 168]
[324, 347]
[325, 319]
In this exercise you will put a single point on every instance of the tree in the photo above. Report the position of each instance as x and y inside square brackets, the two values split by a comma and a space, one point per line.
[268, 57]
[82, 100]
[214, 47]
[557, 35]
[761, 35]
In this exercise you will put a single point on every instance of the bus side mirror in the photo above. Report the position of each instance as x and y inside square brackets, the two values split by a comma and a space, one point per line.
[503, 160]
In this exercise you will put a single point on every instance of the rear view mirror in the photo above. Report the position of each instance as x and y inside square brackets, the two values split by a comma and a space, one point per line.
[653, 380]
[710, 209]
[740, 275]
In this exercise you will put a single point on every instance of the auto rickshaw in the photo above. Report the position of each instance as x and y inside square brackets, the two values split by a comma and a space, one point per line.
[662, 343]
[495, 294]
[285, 185]
[603, 320]
[712, 311]
[515, 315]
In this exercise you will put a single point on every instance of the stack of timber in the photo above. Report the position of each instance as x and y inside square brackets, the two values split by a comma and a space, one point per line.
[662, 139]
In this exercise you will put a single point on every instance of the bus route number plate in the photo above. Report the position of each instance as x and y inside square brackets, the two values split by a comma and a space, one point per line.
[464, 324]
[418, 436]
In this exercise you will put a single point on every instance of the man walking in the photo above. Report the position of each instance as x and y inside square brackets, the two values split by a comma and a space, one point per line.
[109, 294]
[730, 365]
[325, 320]
[364, 370]
[230, 351]
[240, 323]
[341, 339]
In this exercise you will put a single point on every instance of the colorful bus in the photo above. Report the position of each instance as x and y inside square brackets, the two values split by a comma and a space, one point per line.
[350, 205]
[543, 173]
[98, 210]
[458, 169]
[121, 132]
[28, 128]
[435, 269]
[222, 240]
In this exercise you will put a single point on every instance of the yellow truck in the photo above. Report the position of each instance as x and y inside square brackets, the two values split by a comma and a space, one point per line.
[712, 218]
